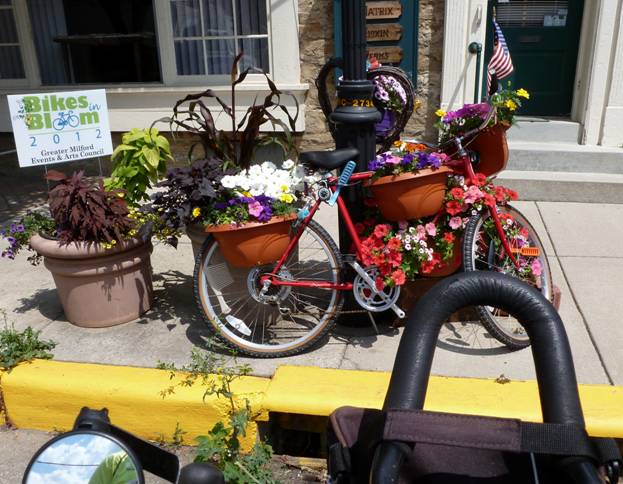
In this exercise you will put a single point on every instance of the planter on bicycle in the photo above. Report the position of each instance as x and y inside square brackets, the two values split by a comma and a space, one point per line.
[387, 122]
[253, 243]
[492, 147]
[410, 195]
[451, 265]
[99, 287]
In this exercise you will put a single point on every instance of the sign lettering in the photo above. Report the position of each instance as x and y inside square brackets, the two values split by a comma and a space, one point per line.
[60, 127]
[386, 55]
[380, 32]
[379, 10]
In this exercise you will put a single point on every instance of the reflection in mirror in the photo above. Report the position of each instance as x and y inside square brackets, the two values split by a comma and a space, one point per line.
[83, 458]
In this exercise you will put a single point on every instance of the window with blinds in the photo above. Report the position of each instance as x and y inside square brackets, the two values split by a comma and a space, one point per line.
[533, 13]
[208, 34]
[11, 66]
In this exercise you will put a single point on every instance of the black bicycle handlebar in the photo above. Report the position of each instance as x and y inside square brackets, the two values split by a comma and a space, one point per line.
[560, 402]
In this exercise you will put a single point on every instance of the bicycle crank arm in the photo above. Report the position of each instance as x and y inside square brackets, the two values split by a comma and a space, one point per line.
[372, 284]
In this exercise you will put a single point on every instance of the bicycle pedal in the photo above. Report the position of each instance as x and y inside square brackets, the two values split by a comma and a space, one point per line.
[526, 251]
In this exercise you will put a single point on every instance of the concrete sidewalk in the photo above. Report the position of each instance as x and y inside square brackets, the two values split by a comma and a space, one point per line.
[580, 239]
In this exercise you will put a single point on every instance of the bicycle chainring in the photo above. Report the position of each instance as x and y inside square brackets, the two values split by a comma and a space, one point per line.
[370, 300]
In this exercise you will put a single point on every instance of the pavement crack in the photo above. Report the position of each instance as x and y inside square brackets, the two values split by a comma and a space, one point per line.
[575, 301]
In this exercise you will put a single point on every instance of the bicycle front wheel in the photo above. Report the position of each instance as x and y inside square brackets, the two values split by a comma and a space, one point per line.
[483, 250]
[285, 321]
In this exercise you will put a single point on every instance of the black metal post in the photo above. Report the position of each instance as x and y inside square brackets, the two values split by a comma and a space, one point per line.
[355, 114]
[476, 48]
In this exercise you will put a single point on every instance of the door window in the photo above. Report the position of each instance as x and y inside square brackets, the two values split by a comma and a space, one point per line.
[11, 65]
[533, 14]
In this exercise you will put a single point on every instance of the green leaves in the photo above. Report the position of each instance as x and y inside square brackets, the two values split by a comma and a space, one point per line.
[16, 346]
[138, 163]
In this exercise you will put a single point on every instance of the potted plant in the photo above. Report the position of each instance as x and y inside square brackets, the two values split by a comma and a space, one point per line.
[184, 199]
[190, 190]
[100, 264]
[252, 214]
[491, 142]
[390, 98]
[430, 246]
[138, 163]
[409, 182]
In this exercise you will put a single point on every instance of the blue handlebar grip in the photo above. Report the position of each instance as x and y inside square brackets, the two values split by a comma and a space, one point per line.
[348, 171]
[303, 213]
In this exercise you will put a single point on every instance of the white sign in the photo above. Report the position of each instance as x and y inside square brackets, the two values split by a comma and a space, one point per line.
[57, 127]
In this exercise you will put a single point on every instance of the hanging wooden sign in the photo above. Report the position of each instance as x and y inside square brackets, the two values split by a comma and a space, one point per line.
[379, 10]
[379, 32]
[386, 55]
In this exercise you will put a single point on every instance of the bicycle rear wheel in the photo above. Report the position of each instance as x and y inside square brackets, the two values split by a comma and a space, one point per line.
[287, 320]
[482, 250]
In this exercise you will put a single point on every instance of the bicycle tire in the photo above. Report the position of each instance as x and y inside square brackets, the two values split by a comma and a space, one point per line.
[476, 243]
[73, 121]
[210, 264]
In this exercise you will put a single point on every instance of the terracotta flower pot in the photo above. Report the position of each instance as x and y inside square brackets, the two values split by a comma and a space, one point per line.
[493, 149]
[99, 287]
[450, 266]
[410, 195]
[253, 243]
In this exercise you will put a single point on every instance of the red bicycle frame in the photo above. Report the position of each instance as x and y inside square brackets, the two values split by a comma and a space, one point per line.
[467, 170]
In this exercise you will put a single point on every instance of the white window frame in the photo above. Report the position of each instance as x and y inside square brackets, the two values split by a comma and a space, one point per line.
[284, 68]
[26, 48]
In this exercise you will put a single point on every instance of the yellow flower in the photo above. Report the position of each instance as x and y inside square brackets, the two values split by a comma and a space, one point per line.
[132, 232]
[247, 194]
[510, 104]
[286, 197]
[285, 188]
[196, 212]
[440, 112]
[523, 93]
[113, 242]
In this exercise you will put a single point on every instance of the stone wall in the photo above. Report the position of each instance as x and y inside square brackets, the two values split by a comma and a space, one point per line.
[316, 46]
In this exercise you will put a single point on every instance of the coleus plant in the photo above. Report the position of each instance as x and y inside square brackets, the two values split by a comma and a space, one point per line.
[84, 212]
[237, 146]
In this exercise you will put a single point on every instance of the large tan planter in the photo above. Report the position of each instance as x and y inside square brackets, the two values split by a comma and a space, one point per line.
[99, 287]
[197, 235]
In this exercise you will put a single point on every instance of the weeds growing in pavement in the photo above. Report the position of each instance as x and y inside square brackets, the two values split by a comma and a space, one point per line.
[221, 446]
[17, 346]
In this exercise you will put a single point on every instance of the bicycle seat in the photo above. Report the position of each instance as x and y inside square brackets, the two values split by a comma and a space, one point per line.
[328, 160]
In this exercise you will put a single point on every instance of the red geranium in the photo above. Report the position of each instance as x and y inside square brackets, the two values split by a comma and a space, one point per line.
[457, 193]
[449, 237]
[479, 179]
[453, 207]
[399, 277]
[381, 230]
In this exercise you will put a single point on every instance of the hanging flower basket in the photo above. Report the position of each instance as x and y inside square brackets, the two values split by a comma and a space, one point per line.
[410, 195]
[387, 123]
[493, 149]
[253, 243]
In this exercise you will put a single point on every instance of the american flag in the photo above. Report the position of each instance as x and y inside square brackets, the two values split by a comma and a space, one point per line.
[500, 63]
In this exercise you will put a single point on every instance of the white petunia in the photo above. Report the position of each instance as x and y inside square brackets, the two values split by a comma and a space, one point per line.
[287, 165]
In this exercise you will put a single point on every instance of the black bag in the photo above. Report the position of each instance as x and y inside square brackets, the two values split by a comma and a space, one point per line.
[406, 444]
[450, 448]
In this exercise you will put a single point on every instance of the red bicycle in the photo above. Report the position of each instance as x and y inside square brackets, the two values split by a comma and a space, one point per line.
[287, 307]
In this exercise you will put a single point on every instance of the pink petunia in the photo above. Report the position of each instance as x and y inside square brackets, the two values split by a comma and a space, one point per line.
[455, 223]
[431, 229]
[255, 208]
[420, 232]
[473, 194]
[536, 267]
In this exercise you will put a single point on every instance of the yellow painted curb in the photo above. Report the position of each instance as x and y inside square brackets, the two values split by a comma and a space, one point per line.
[319, 391]
[47, 395]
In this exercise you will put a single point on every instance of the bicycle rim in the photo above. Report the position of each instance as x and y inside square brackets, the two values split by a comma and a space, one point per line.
[484, 251]
[295, 319]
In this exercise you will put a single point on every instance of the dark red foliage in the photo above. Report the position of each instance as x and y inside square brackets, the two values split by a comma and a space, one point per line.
[84, 212]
